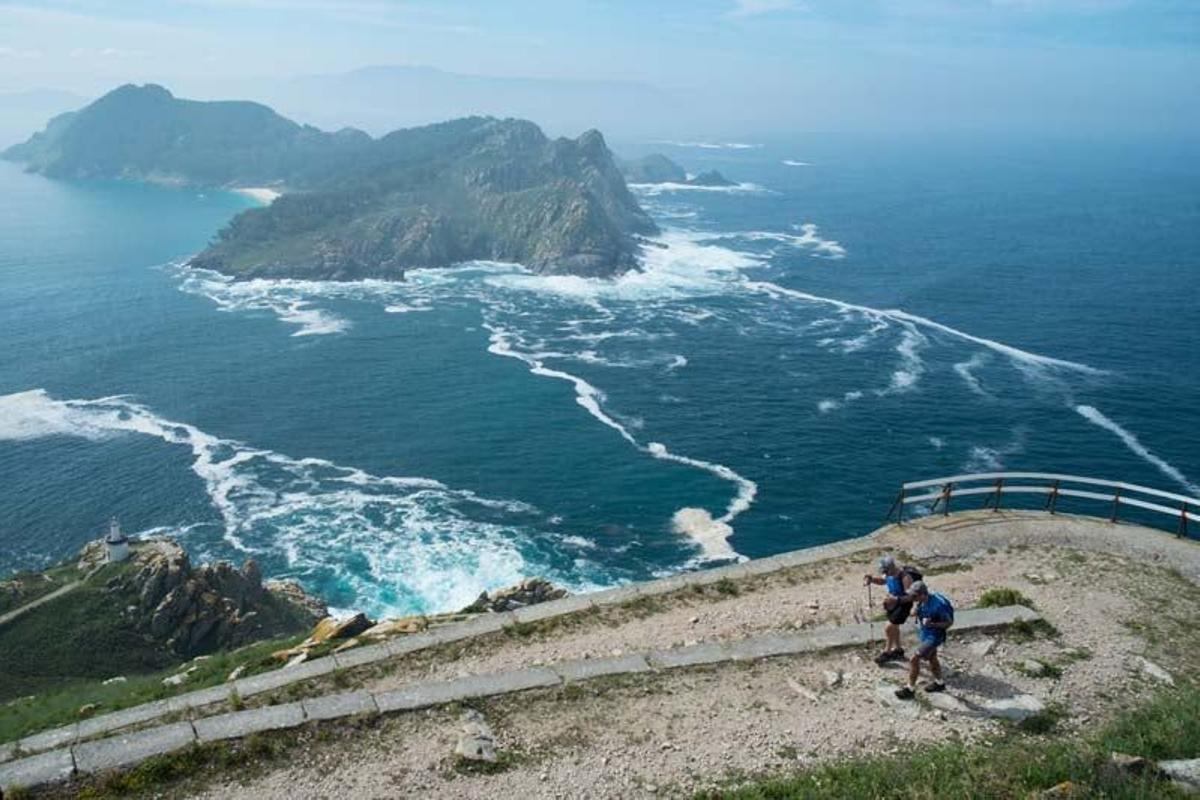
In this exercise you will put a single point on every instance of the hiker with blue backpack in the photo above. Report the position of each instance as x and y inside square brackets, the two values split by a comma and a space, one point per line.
[935, 615]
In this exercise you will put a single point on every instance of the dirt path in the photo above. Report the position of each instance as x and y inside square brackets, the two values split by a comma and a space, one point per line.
[1115, 595]
[31, 605]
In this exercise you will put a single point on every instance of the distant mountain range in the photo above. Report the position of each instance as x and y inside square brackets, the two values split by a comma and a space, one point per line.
[383, 98]
[354, 206]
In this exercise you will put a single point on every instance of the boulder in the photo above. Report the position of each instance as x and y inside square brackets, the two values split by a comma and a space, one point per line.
[526, 593]
[1185, 773]
[476, 742]
[1156, 672]
[982, 647]
[832, 678]
[333, 629]
[396, 627]
[1014, 708]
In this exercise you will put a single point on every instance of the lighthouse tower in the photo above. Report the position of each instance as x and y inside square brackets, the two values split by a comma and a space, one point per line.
[116, 544]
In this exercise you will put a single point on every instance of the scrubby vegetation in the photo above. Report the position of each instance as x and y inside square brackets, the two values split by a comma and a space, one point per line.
[1001, 596]
[62, 706]
[1015, 765]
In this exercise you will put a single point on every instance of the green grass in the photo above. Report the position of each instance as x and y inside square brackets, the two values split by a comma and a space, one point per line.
[61, 706]
[25, 586]
[156, 772]
[1014, 765]
[1001, 596]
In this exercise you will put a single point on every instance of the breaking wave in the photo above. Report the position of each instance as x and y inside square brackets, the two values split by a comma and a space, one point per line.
[655, 189]
[426, 546]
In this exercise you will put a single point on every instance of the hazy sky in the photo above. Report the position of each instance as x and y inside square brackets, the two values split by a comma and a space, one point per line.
[1061, 65]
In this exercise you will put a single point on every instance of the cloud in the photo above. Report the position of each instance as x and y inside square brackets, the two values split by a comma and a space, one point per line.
[752, 8]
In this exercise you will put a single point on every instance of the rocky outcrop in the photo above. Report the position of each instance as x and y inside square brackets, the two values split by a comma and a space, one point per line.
[654, 168]
[211, 607]
[526, 593]
[710, 178]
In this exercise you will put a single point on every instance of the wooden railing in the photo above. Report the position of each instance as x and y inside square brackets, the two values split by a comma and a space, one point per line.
[995, 486]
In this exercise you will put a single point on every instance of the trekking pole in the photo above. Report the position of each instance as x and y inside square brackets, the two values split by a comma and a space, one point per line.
[870, 614]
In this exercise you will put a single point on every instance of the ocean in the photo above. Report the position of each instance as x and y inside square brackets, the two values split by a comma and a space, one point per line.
[853, 314]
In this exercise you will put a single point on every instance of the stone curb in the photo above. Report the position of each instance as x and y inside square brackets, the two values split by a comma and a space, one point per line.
[122, 751]
[242, 723]
[117, 751]
[479, 626]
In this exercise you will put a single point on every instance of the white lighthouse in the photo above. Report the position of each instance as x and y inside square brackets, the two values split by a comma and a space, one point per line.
[116, 544]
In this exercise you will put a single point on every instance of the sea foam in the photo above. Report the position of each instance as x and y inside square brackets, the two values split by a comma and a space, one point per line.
[426, 547]
[1096, 417]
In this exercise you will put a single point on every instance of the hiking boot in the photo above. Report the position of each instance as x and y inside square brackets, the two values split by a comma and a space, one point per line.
[889, 655]
[934, 686]
[905, 693]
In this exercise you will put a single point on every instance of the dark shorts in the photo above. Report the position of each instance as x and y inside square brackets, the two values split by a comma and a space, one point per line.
[898, 613]
[928, 650]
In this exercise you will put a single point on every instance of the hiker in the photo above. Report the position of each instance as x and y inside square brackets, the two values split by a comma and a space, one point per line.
[935, 615]
[898, 603]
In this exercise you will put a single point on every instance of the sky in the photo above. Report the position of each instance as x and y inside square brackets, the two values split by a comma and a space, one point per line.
[1091, 67]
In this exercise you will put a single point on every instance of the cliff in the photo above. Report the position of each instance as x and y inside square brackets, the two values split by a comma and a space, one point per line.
[149, 612]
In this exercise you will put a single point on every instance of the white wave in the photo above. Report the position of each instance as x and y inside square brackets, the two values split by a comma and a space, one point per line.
[289, 300]
[791, 162]
[937, 442]
[1096, 417]
[825, 406]
[809, 238]
[656, 189]
[427, 547]
[897, 315]
[407, 308]
[702, 145]
[591, 399]
[966, 371]
[851, 396]
[677, 362]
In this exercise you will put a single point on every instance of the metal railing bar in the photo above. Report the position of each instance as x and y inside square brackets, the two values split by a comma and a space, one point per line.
[1048, 476]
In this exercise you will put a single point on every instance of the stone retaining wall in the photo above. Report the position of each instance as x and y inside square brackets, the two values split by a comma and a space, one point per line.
[125, 750]
[400, 646]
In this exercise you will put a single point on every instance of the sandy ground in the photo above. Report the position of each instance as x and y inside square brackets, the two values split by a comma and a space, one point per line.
[1114, 594]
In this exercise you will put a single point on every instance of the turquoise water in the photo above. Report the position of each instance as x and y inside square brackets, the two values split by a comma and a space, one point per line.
[872, 313]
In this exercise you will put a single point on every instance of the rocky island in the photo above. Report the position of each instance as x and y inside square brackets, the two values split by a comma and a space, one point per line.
[657, 168]
[355, 207]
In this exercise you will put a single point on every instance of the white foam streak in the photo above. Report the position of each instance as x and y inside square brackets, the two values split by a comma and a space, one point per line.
[590, 398]
[791, 162]
[897, 315]
[966, 371]
[656, 189]
[702, 145]
[1096, 417]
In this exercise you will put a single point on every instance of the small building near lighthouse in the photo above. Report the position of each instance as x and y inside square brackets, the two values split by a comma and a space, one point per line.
[116, 544]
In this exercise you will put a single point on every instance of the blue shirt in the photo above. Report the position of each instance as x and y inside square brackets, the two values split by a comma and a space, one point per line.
[895, 584]
[936, 608]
